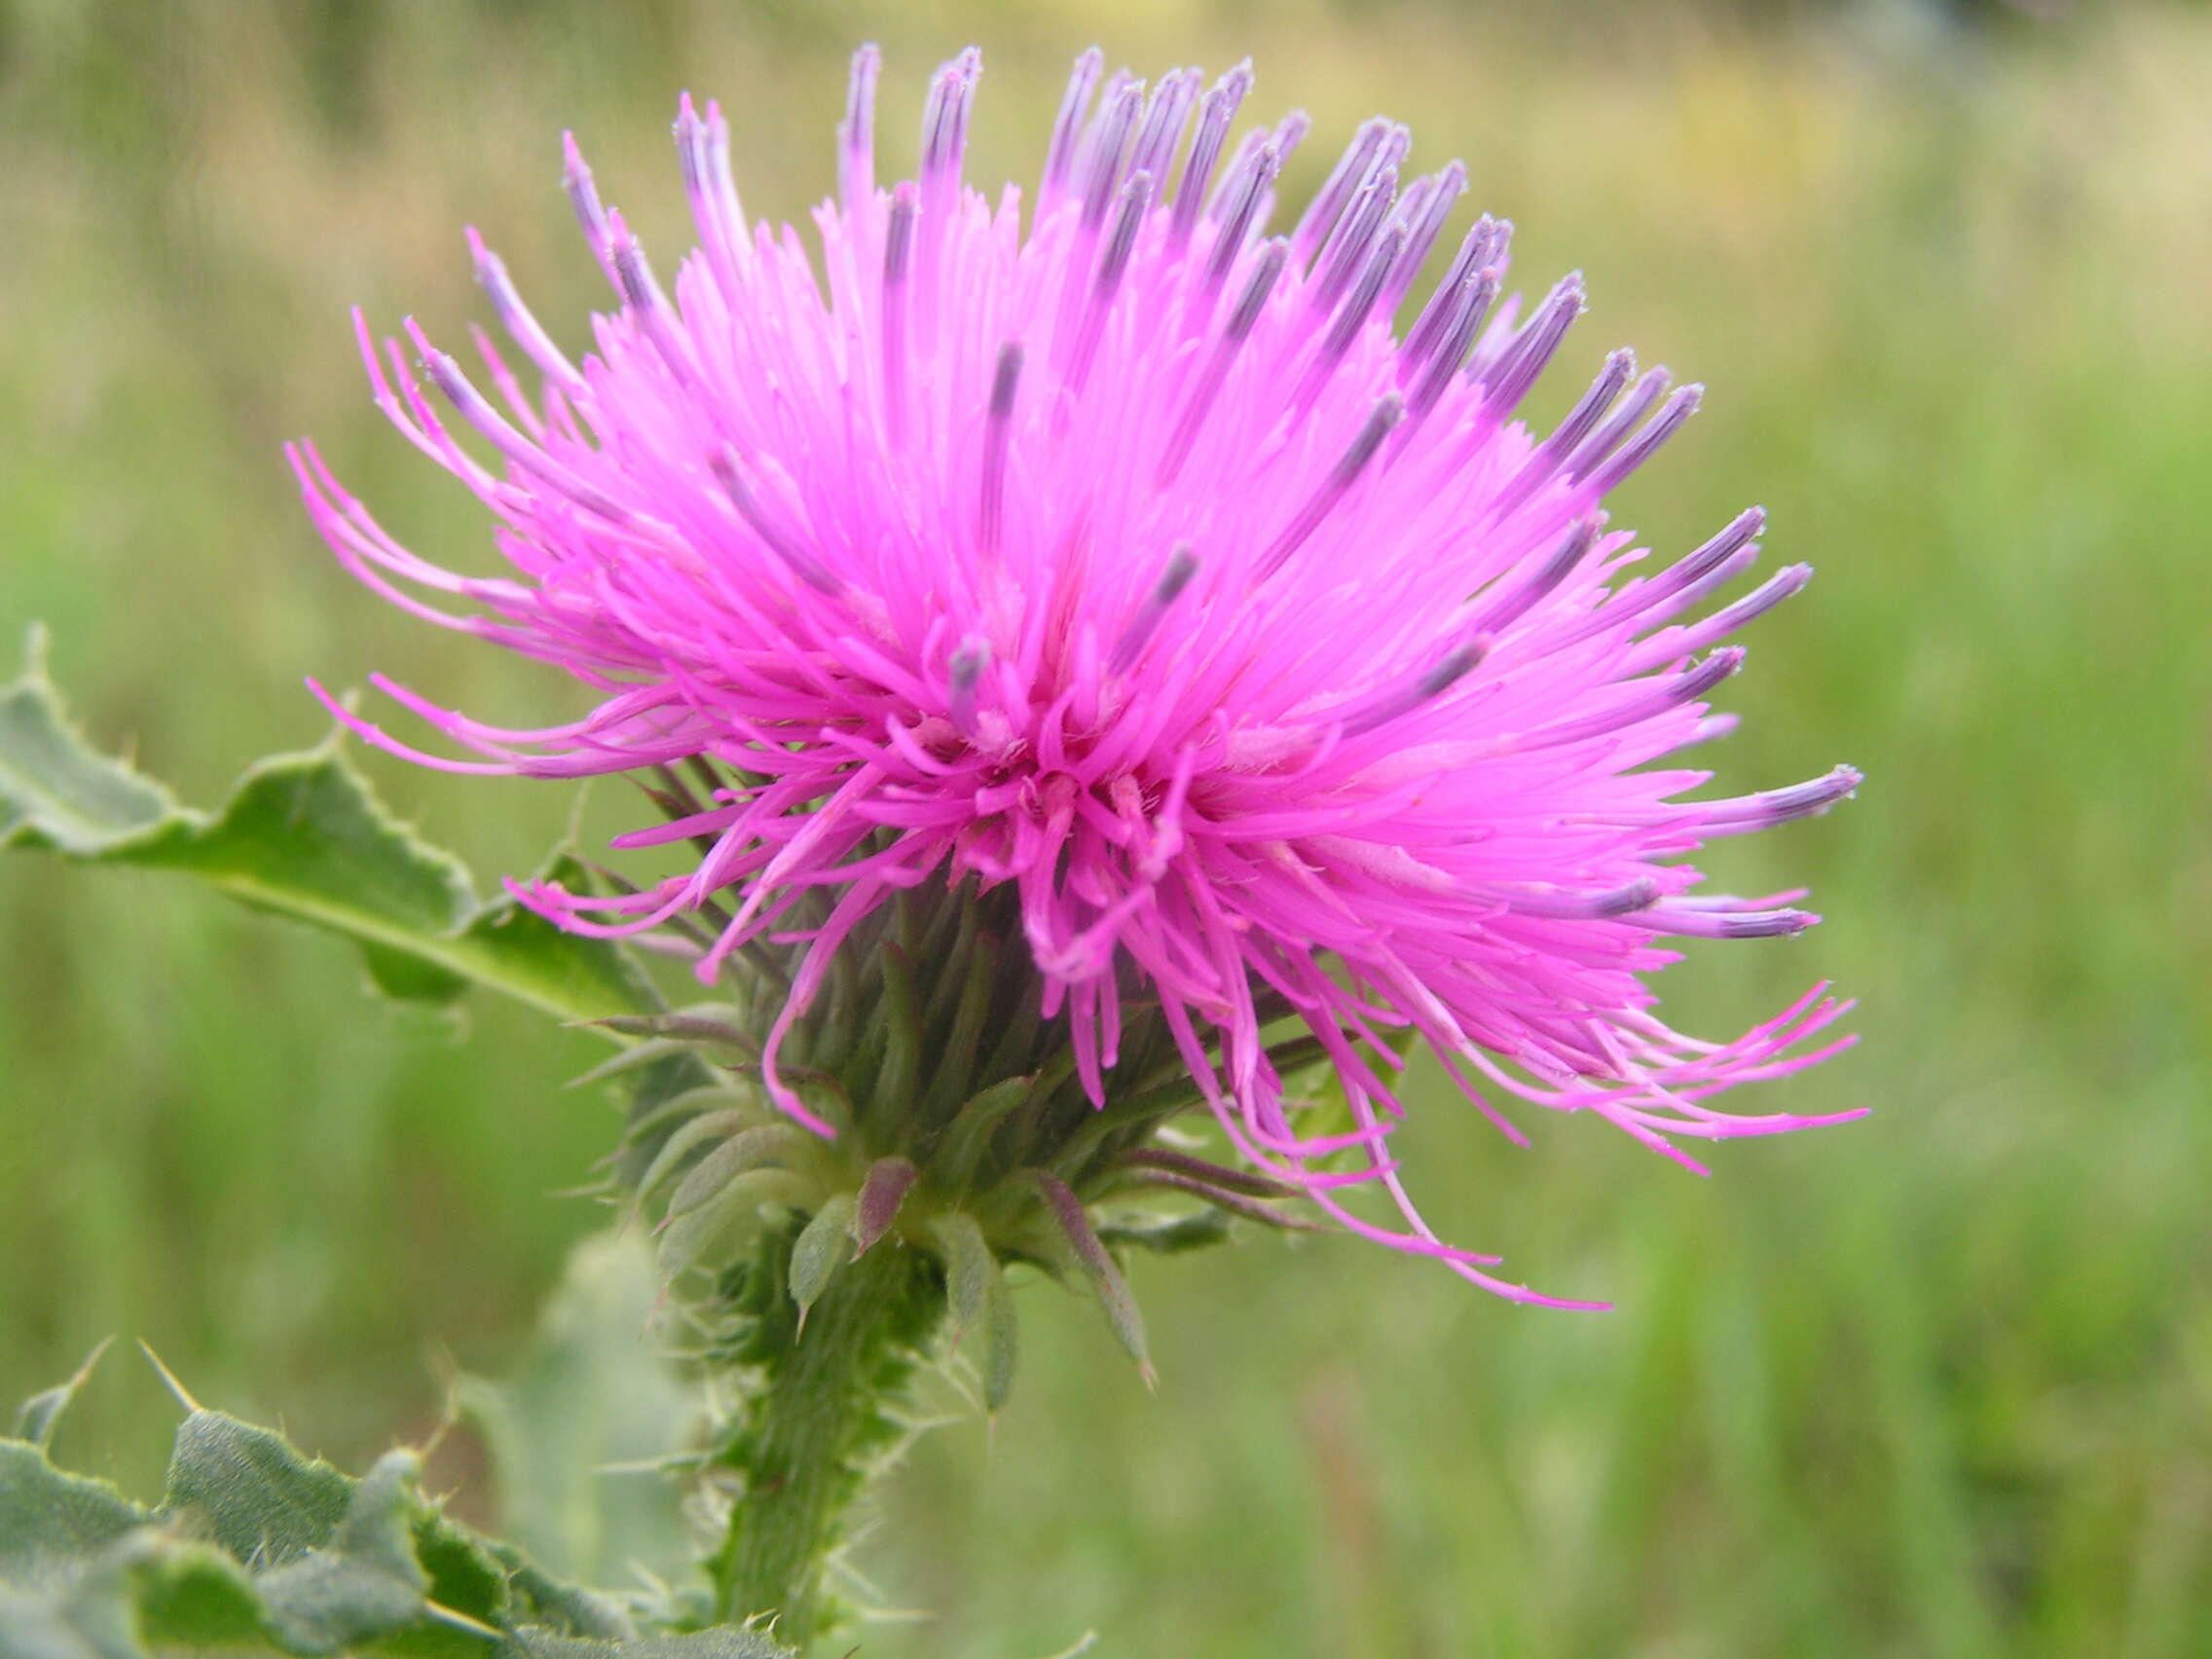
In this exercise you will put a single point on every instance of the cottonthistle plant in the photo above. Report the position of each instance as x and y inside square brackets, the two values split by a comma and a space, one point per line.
[1105, 669]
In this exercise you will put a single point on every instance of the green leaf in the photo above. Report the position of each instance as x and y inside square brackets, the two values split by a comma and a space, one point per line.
[50, 1522]
[742, 1154]
[724, 1641]
[981, 1299]
[882, 1192]
[969, 1268]
[1098, 1267]
[1170, 1236]
[304, 836]
[37, 1627]
[1000, 1334]
[701, 1236]
[365, 1582]
[258, 1547]
[260, 1499]
[579, 1434]
[823, 1246]
[41, 1414]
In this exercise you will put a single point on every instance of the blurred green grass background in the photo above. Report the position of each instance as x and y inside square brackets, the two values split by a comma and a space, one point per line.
[1938, 1382]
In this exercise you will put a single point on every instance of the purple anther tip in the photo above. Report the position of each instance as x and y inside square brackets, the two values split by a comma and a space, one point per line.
[965, 674]
[1005, 378]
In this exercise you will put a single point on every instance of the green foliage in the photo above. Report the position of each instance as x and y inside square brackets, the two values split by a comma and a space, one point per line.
[256, 1546]
[302, 836]
[584, 1432]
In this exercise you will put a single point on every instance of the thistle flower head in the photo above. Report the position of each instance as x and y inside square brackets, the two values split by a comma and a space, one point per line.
[1167, 564]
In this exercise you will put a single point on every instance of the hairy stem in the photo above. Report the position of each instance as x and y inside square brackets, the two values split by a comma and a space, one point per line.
[820, 1418]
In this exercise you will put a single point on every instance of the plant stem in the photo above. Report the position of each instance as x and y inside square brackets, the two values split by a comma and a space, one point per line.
[818, 1422]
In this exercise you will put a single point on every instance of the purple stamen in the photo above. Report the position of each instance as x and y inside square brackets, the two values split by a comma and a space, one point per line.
[966, 674]
[583, 196]
[1663, 426]
[1290, 132]
[944, 125]
[1686, 922]
[1215, 115]
[1572, 549]
[1542, 465]
[1344, 180]
[1388, 410]
[1165, 117]
[1508, 381]
[1436, 317]
[1785, 583]
[1350, 319]
[472, 406]
[1601, 442]
[723, 463]
[1182, 566]
[517, 318]
[1425, 223]
[1105, 147]
[1769, 807]
[1060, 153]
[1249, 304]
[1112, 262]
[640, 291]
[1245, 191]
[1347, 248]
[1006, 380]
[1564, 905]
[856, 133]
[898, 258]
[1449, 350]
[1424, 687]
[1687, 686]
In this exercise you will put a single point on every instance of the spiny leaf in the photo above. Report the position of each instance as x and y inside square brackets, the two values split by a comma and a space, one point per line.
[262, 1548]
[1112, 1290]
[969, 1268]
[999, 1333]
[646, 1053]
[261, 1499]
[572, 1430]
[975, 1287]
[740, 1154]
[723, 1642]
[824, 1245]
[365, 1583]
[50, 1521]
[688, 1240]
[1211, 1174]
[303, 836]
[882, 1192]
[41, 1414]
[688, 1137]
[43, 1627]
[682, 1027]
[1169, 1238]
[1235, 1203]
[190, 1595]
